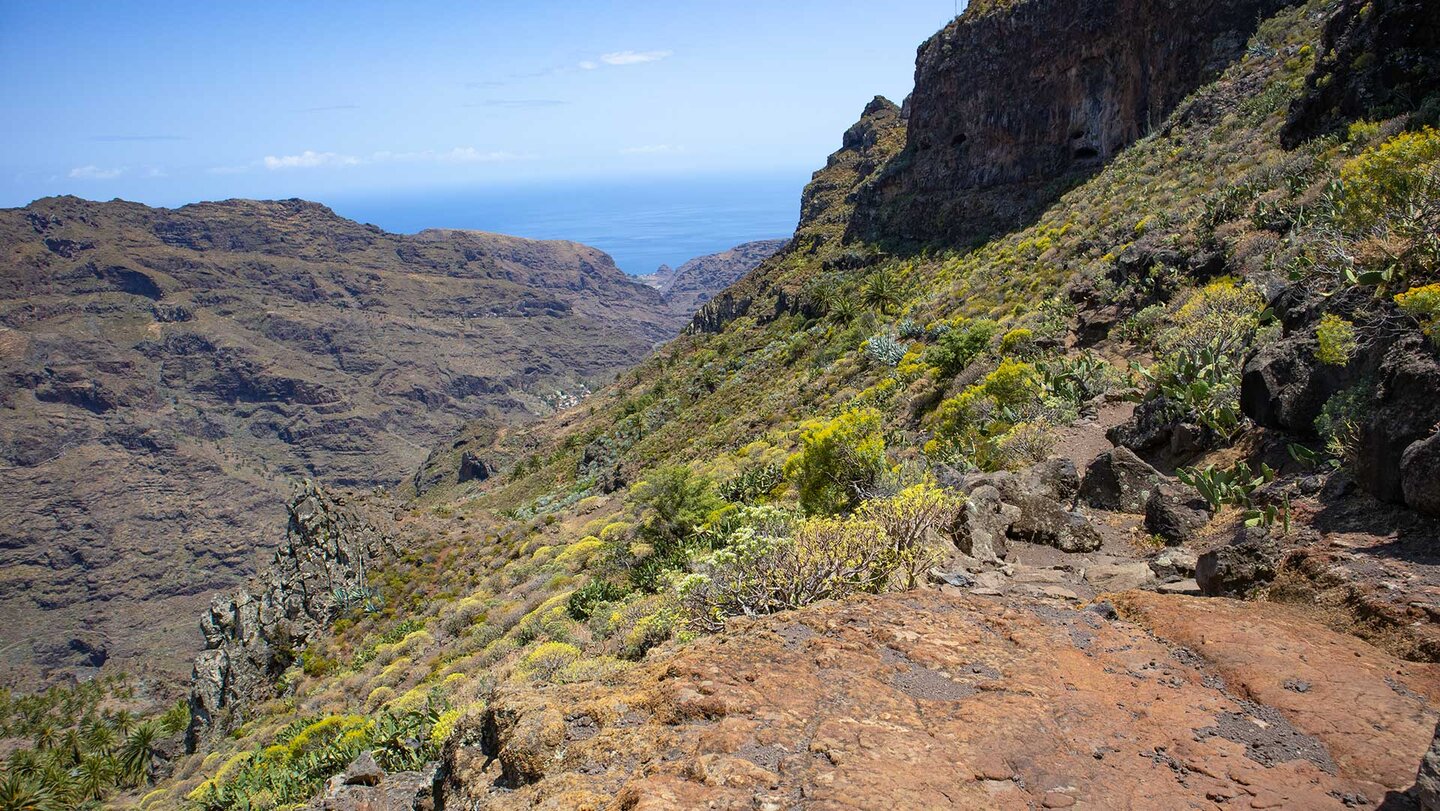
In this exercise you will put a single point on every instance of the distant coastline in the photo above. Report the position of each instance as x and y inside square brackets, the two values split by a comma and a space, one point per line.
[642, 223]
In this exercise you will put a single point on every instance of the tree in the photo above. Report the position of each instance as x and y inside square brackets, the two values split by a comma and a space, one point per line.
[883, 289]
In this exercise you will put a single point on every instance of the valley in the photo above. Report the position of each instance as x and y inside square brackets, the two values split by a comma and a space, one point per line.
[1078, 450]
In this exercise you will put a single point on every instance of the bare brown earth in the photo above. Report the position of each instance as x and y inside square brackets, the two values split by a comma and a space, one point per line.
[938, 700]
[165, 374]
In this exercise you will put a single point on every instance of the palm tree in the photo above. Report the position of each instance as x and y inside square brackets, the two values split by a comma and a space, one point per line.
[71, 743]
[94, 776]
[99, 737]
[137, 753]
[19, 794]
[883, 290]
[123, 721]
[46, 735]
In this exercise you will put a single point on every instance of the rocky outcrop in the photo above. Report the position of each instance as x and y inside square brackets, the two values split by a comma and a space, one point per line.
[1378, 59]
[1011, 106]
[1427, 781]
[464, 458]
[826, 207]
[1285, 386]
[253, 634]
[686, 288]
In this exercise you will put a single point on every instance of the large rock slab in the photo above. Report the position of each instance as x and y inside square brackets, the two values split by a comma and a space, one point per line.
[1374, 713]
[928, 700]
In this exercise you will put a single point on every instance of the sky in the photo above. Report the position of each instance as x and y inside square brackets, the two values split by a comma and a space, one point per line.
[172, 102]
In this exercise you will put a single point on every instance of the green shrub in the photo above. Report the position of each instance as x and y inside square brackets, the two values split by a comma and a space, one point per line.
[961, 344]
[839, 461]
[1337, 342]
[1340, 419]
[582, 602]
[964, 425]
[885, 350]
[1019, 341]
[674, 503]
[825, 558]
[548, 659]
[753, 484]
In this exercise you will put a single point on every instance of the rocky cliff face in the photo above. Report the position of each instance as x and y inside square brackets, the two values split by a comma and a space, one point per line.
[254, 633]
[1010, 108]
[826, 208]
[165, 373]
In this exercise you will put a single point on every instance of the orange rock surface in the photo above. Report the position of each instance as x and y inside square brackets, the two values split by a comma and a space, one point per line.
[930, 700]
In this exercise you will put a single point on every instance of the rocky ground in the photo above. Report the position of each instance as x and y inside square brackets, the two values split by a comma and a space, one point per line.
[939, 699]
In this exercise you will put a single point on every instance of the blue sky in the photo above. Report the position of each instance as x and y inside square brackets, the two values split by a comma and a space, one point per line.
[170, 102]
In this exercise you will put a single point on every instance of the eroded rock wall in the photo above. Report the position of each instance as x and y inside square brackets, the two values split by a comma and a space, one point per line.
[1011, 108]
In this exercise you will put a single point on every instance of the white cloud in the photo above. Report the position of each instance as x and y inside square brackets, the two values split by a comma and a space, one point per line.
[309, 159]
[623, 58]
[633, 57]
[460, 154]
[93, 172]
[652, 149]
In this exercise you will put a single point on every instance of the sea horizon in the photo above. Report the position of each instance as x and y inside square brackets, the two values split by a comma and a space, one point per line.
[642, 223]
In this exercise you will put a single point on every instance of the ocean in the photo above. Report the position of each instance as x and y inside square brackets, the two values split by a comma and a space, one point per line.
[641, 223]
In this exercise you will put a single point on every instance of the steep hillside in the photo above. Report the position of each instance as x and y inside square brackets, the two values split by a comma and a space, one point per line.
[165, 375]
[1131, 505]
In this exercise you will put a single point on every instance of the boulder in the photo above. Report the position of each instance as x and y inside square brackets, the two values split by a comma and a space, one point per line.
[981, 527]
[1156, 432]
[1119, 480]
[400, 791]
[1284, 386]
[1175, 512]
[1403, 412]
[1055, 477]
[1175, 563]
[1047, 522]
[363, 771]
[1420, 475]
[1427, 782]
[1249, 560]
[1038, 505]
[1148, 429]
